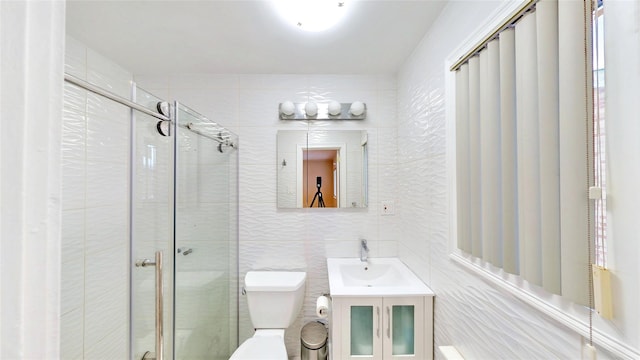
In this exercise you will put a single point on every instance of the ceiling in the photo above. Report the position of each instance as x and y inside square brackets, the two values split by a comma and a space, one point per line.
[233, 36]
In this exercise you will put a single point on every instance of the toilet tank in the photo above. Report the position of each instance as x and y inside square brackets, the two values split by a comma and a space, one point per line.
[274, 297]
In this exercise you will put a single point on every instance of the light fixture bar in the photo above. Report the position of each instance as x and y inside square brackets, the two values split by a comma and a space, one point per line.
[348, 111]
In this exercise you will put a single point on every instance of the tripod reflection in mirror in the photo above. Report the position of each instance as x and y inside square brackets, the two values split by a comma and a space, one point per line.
[321, 164]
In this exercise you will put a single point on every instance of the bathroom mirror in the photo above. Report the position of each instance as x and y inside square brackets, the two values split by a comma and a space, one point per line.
[322, 168]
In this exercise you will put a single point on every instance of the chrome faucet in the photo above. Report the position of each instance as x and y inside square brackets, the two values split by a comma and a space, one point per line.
[364, 250]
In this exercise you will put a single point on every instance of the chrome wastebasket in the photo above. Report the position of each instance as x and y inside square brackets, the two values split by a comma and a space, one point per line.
[313, 340]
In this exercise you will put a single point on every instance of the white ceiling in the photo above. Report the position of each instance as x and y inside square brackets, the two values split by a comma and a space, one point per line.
[232, 36]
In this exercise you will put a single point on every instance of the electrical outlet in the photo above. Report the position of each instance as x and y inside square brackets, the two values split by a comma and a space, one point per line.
[387, 208]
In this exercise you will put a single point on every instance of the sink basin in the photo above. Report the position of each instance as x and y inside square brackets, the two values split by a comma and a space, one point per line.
[377, 277]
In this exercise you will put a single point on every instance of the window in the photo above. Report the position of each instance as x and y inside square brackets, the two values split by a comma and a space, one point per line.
[599, 135]
[524, 148]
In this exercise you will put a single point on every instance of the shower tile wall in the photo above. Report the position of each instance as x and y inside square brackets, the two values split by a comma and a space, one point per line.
[95, 209]
[295, 239]
[96, 205]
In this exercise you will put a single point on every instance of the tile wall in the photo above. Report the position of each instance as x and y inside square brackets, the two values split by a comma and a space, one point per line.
[95, 211]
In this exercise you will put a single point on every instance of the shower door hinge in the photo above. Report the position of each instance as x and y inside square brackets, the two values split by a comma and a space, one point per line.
[164, 127]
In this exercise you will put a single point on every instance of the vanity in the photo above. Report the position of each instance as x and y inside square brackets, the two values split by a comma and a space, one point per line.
[380, 310]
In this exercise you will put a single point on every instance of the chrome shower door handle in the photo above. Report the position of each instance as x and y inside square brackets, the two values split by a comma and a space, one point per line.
[159, 355]
[159, 308]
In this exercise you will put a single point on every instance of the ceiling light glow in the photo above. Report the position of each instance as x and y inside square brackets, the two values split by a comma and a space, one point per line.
[311, 15]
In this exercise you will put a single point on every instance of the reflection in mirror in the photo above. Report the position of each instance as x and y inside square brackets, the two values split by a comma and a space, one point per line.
[321, 164]
[323, 168]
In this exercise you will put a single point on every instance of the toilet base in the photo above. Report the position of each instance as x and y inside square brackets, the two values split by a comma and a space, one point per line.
[265, 344]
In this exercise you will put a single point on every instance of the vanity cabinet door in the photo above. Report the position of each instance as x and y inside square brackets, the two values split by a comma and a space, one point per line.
[404, 327]
[382, 328]
[361, 328]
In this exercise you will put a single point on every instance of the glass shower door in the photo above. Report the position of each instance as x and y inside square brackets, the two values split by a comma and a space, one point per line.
[151, 228]
[206, 223]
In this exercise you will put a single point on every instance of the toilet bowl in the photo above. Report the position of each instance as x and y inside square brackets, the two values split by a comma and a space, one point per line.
[274, 299]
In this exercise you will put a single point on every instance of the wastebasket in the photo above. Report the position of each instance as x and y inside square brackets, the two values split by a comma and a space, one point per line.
[313, 339]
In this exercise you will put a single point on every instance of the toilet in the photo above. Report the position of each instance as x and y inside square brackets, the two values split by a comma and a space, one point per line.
[274, 299]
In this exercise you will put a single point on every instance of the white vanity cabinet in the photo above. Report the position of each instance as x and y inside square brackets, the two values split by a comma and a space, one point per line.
[382, 328]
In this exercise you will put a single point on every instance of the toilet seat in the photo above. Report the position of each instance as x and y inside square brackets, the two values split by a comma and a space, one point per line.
[264, 345]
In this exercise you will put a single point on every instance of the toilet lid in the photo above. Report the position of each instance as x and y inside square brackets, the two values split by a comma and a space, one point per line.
[261, 348]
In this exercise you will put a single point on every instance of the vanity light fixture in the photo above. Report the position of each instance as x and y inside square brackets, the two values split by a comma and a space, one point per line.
[323, 111]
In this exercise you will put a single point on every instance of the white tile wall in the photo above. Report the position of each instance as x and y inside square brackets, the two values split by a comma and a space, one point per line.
[96, 213]
[296, 239]
[95, 221]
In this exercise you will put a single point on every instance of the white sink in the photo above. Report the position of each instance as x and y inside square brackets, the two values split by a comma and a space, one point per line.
[377, 277]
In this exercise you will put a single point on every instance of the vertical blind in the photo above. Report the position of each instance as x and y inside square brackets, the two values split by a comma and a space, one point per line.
[523, 144]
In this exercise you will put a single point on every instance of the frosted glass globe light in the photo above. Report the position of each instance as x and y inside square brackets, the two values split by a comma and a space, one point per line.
[311, 15]
[287, 108]
[334, 108]
[311, 109]
[357, 108]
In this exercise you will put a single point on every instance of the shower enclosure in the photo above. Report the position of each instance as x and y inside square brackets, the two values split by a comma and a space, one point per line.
[136, 187]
